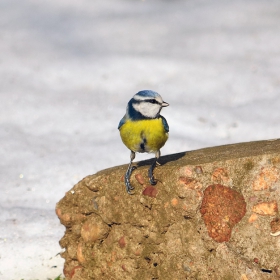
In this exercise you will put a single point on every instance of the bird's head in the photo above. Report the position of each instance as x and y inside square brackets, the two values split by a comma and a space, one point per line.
[146, 102]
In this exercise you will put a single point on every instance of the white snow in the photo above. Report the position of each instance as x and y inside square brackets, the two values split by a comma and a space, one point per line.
[68, 69]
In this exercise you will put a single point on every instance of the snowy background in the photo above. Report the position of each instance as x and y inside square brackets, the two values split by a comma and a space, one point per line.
[68, 69]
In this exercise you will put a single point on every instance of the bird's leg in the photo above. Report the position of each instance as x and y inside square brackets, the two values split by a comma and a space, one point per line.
[151, 169]
[129, 170]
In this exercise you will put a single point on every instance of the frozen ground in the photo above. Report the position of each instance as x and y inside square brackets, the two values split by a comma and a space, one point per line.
[67, 70]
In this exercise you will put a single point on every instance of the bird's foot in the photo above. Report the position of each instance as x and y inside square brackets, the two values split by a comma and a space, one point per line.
[150, 173]
[128, 186]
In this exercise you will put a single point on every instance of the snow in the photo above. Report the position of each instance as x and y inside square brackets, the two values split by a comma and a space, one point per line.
[68, 69]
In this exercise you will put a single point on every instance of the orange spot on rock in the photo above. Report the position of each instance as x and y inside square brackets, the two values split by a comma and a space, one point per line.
[66, 218]
[139, 179]
[124, 268]
[72, 272]
[275, 225]
[150, 191]
[58, 212]
[113, 257]
[122, 242]
[221, 209]
[138, 252]
[185, 207]
[68, 268]
[199, 194]
[174, 202]
[266, 208]
[186, 171]
[253, 218]
[80, 255]
[186, 181]
[244, 277]
[266, 178]
[220, 175]
[256, 260]
[92, 231]
[189, 183]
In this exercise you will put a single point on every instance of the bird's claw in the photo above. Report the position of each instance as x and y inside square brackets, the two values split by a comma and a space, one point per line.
[150, 173]
[128, 186]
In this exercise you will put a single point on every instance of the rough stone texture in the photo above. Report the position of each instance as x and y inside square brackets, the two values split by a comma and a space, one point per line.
[176, 229]
[221, 209]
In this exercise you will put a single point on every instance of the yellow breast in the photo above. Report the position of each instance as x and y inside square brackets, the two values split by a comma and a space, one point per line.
[143, 135]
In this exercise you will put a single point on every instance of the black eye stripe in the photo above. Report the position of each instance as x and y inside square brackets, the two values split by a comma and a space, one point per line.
[152, 101]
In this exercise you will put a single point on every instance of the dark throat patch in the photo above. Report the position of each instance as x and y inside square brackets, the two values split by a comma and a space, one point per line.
[144, 142]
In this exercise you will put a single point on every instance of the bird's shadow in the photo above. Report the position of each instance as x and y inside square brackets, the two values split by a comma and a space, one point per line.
[162, 160]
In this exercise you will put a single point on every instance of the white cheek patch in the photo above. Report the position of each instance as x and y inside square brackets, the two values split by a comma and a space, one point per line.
[148, 110]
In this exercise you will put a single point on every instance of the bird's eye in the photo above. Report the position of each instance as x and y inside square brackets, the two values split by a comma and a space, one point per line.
[153, 101]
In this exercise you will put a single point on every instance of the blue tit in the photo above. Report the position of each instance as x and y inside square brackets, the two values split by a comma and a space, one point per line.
[143, 130]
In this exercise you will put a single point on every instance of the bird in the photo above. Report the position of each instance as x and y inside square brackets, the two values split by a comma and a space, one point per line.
[143, 130]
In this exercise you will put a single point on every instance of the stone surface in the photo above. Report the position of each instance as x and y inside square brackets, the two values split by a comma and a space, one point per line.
[212, 215]
[266, 208]
[275, 227]
[267, 177]
[221, 209]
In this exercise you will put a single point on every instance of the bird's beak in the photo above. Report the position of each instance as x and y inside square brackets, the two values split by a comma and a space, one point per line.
[164, 104]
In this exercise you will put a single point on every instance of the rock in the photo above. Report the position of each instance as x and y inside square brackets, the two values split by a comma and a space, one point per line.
[275, 227]
[253, 218]
[221, 209]
[94, 229]
[139, 179]
[266, 208]
[150, 191]
[220, 176]
[267, 177]
[212, 215]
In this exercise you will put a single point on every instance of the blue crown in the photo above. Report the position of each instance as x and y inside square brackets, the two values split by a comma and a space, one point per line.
[147, 93]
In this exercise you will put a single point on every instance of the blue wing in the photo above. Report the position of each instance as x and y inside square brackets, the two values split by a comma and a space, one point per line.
[122, 121]
[165, 124]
